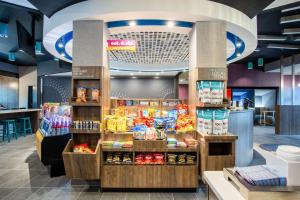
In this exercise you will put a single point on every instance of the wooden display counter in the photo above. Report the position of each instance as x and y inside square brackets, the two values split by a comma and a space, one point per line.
[135, 175]
[217, 152]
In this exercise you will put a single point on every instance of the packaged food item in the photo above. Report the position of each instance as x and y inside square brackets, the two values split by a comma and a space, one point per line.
[150, 122]
[151, 112]
[117, 158]
[170, 124]
[158, 158]
[109, 158]
[182, 109]
[139, 159]
[173, 114]
[181, 159]
[206, 94]
[127, 144]
[95, 94]
[81, 95]
[127, 158]
[207, 121]
[154, 103]
[129, 103]
[157, 113]
[130, 123]
[200, 121]
[139, 132]
[111, 123]
[159, 123]
[190, 159]
[172, 159]
[218, 117]
[139, 121]
[144, 103]
[160, 134]
[150, 134]
[217, 92]
[82, 148]
[190, 142]
[107, 144]
[200, 90]
[181, 144]
[171, 142]
[148, 159]
[121, 124]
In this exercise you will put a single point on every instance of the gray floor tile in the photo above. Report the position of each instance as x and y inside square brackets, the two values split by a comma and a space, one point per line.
[21, 194]
[184, 196]
[68, 194]
[137, 196]
[44, 194]
[113, 196]
[161, 196]
[90, 194]
[4, 192]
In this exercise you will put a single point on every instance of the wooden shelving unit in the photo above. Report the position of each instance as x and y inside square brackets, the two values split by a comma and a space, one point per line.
[84, 165]
[217, 151]
[148, 175]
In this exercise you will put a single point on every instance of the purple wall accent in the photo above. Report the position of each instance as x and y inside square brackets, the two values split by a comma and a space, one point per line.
[183, 91]
[240, 76]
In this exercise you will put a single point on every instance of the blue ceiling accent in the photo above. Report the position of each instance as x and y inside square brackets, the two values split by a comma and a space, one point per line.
[63, 40]
[148, 22]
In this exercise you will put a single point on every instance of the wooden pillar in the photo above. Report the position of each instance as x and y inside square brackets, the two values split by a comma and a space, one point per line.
[207, 50]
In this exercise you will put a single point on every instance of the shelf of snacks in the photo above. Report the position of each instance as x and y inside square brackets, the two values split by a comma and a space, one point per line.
[85, 127]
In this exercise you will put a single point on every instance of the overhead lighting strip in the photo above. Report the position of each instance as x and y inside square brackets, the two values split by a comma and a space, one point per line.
[290, 9]
[290, 19]
[271, 38]
[283, 46]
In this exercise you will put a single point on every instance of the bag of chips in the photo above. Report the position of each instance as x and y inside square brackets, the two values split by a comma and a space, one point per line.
[121, 124]
[95, 95]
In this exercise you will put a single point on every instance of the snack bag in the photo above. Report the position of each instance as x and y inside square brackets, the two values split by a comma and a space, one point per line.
[170, 124]
[217, 88]
[150, 134]
[159, 123]
[151, 112]
[200, 121]
[182, 109]
[207, 122]
[206, 91]
[121, 124]
[173, 114]
[81, 95]
[164, 114]
[111, 123]
[157, 113]
[95, 95]
[130, 123]
[200, 90]
[218, 122]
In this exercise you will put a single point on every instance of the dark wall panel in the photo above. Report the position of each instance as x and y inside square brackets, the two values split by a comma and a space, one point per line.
[56, 89]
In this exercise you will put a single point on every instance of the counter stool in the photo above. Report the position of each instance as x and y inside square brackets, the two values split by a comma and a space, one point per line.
[25, 126]
[10, 129]
[2, 129]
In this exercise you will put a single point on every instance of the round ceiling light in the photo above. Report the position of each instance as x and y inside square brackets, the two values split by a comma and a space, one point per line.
[132, 23]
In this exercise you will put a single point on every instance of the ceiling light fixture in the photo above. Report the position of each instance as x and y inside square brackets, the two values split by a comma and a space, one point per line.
[291, 31]
[62, 54]
[290, 9]
[170, 24]
[132, 23]
[297, 39]
[238, 44]
[238, 54]
[157, 74]
[132, 74]
[290, 19]
[156, 77]
[60, 45]
[134, 77]
[283, 46]
[271, 38]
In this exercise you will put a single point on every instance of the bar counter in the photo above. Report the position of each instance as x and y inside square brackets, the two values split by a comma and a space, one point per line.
[18, 113]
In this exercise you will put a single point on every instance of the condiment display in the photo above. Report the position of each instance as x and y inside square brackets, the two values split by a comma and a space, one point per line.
[89, 125]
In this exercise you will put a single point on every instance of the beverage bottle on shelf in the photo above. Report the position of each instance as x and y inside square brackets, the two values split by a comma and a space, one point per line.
[58, 126]
[54, 127]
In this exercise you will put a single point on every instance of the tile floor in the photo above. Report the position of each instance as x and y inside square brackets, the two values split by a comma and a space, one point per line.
[22, 176]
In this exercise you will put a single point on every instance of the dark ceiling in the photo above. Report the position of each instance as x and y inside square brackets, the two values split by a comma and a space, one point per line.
[48, 7]
[250, 8]
[269, 24]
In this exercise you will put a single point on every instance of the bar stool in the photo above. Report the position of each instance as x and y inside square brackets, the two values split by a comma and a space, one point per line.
[10, 129]
[2, 129]
[25, 126]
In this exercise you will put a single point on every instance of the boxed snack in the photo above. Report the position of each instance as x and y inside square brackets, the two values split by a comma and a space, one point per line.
[159, 123]
[200, 90]
[218, 117]
[225, 122]
[95, 94]
[217, 88]
[208, 121]
[200, 121]
[170, 124]
[206, 94]
[173, 114]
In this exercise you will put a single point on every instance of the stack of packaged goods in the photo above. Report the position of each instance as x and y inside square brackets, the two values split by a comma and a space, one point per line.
[118, 158]
[212, 121]
[150, 123]
[107, 144]
[149, 159]
[181, 159]
[211, 92]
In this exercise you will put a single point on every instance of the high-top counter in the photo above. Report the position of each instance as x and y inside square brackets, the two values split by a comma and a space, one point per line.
[241, 124]
[18, 113]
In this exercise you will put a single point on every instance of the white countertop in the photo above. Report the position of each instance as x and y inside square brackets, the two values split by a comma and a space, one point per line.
[221, 187]
[3, 112]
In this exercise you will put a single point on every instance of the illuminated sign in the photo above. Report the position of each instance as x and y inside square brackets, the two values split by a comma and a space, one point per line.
[125, 45]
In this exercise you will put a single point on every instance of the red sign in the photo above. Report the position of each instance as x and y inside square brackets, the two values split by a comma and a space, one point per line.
[128, 45]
